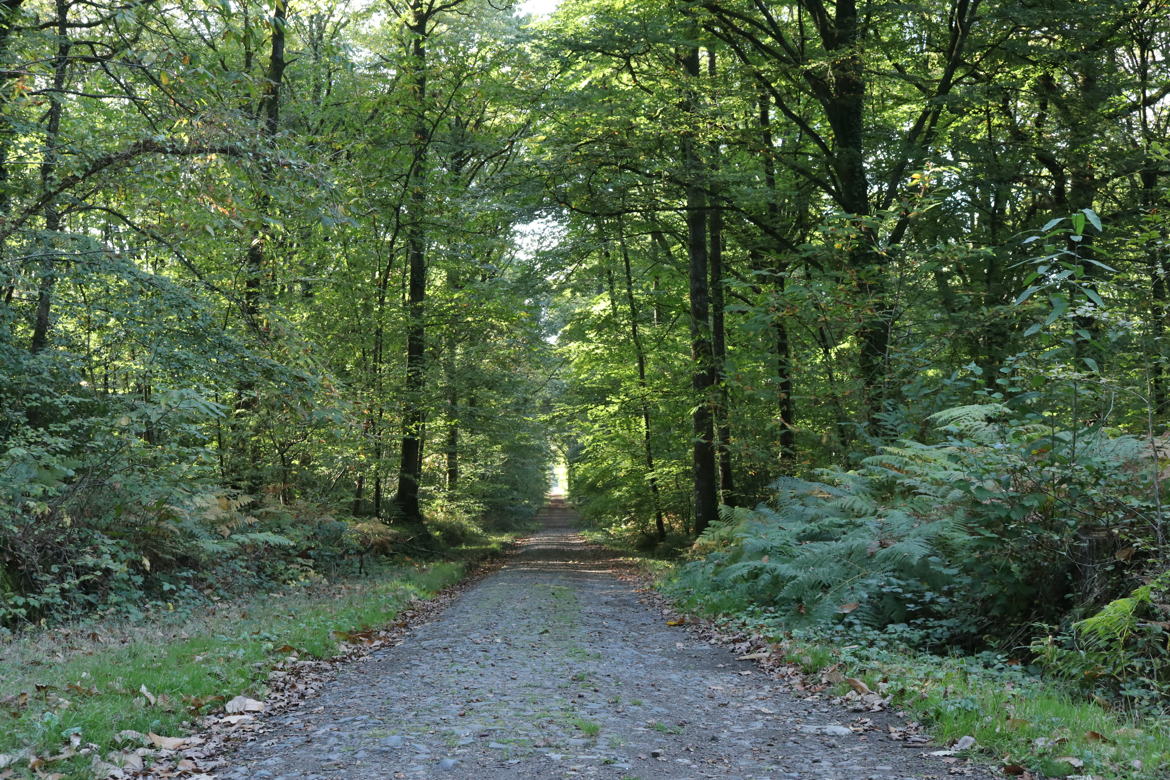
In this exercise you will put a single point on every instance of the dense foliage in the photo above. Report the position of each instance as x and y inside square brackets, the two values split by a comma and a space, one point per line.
[888, 281]
[220, 231]
[871, 299]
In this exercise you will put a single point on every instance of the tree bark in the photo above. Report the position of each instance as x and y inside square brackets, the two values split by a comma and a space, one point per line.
[268, 113]
[705, 479]
[42, 316]
[410, 462]
[786, 408]
[8, 12]
[643, 392]
[721, 402]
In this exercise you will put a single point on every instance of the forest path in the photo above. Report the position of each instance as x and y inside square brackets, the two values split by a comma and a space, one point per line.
[553, 668]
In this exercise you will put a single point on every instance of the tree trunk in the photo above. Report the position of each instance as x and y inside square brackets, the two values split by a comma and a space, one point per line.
[643, 392]
[42, 316]
[706, 499]
[842, 96]
[410, 462]
[268, 112]
[786, 408]
[721, 401]
[8, 11]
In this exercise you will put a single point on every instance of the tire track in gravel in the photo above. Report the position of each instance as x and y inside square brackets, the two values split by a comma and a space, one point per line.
[553, 668]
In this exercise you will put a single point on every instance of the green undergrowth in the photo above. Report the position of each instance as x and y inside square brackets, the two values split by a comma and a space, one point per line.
[93, 680]
[635, 542]
[1019, 720]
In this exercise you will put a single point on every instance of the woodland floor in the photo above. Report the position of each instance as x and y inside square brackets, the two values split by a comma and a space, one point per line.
[554, 667]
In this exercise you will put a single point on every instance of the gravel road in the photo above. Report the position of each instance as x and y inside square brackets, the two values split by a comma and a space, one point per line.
[553, 668]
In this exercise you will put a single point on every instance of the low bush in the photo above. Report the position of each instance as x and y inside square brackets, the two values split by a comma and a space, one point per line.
[956, 542]
[1122, 650]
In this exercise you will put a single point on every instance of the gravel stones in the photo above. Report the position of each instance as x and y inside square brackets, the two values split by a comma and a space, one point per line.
[553, 668]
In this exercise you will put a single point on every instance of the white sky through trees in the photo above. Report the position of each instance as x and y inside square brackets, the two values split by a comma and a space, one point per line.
[538, 7]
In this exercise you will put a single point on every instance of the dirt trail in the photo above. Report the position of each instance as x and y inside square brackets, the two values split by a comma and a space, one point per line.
[553, 668]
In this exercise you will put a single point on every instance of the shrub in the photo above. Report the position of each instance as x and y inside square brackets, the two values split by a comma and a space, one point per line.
[993, 526]
[1122, 650]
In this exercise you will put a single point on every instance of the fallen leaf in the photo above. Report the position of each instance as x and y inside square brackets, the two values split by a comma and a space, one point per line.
[126, 760]
[754, 656]
[16, 702]
[1072, 761]
[149, 696]
[243, 704]
[63, 755]
[858, 685]
[235, 720]
[847, 608]
[171, 743]
[679, 622]
[1013, 769]
[130, 734]
[1094, 736]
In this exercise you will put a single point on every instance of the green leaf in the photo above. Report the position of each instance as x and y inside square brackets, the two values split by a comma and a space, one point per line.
[1094, 220]
[1026, 294]
[1059, 307]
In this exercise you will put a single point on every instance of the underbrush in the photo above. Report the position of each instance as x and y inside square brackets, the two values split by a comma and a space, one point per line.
[90, 681]
[967, 542]
[1002, 579]
[636, 541]
[149, 543]
[1022, 721]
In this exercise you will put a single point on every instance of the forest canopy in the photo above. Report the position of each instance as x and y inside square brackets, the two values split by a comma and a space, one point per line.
[870, 298]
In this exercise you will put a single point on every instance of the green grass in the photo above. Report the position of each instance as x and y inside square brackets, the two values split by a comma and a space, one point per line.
[586, 727]
[1016, 718]
[87, 680]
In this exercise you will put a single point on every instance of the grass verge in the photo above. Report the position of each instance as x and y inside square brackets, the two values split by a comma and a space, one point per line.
[1028, 726]
[86, 684]
[1025, 724]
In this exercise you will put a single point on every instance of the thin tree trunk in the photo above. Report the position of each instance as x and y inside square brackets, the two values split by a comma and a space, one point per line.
[410, 462]
[722, 400]
[42, 317]
[643, 391]
[784, 384]
[842, 96]
[8, 11]
[706, 499]
[452, 444]
[267, 110]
